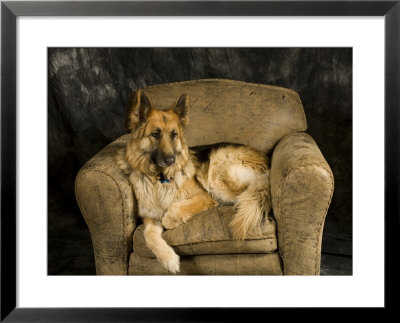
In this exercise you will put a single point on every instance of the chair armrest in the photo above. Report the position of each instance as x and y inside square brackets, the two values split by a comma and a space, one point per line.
[301, 188]
[106, 201]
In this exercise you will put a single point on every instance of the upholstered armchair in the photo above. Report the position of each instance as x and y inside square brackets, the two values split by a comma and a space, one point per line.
[266, 117]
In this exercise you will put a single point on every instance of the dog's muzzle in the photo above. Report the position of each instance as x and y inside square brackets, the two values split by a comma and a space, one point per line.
[162, 160]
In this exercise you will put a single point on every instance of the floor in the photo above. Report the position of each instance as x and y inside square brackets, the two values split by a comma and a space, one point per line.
[336, 265]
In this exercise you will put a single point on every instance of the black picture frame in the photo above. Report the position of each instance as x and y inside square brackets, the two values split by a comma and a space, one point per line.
[10, 10]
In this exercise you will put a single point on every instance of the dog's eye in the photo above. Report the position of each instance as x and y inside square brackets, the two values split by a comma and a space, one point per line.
[173, 134]
[155, 135]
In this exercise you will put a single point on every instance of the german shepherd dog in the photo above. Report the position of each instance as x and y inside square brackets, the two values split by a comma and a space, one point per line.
[172, 182]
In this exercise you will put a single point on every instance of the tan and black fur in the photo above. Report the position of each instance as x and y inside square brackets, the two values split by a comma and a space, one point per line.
[173, 182]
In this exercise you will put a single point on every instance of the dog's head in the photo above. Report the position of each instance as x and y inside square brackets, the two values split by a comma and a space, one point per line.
[157, 134]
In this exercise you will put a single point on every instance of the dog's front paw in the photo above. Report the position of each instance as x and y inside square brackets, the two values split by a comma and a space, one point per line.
[170, 220]
[170, 261]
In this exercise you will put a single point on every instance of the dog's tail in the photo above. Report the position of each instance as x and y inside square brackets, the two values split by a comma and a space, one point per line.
[251, 206]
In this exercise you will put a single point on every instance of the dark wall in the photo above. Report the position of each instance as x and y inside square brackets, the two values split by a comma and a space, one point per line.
[88, 90]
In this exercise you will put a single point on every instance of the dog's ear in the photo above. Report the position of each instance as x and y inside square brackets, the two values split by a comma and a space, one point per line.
[181, 108]
[137, 110]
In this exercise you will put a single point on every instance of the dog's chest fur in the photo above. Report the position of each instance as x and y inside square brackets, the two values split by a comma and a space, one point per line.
[154, 197]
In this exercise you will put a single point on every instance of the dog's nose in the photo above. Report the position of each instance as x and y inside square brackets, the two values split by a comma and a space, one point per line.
[169, 160]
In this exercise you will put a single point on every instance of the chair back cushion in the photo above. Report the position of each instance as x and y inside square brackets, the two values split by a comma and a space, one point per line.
[231, 111]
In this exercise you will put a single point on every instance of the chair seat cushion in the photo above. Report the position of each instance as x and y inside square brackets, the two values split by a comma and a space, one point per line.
[208, 233]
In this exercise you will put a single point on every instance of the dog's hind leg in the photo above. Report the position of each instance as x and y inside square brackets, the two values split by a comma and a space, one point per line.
[164, 253]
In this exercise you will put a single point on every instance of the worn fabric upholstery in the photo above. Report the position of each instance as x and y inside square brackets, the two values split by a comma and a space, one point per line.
[208, 233]
[266, 117]
[302, 188]
[227, 264]
[105, 198]
[206, 246]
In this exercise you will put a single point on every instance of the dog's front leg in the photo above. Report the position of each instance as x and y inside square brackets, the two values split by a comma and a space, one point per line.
[180, 212]
[164, 253]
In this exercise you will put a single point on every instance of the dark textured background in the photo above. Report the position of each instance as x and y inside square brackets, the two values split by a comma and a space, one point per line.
[87, 92]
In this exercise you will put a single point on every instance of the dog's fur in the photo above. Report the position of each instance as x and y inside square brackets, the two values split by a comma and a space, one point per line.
[173, 182]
